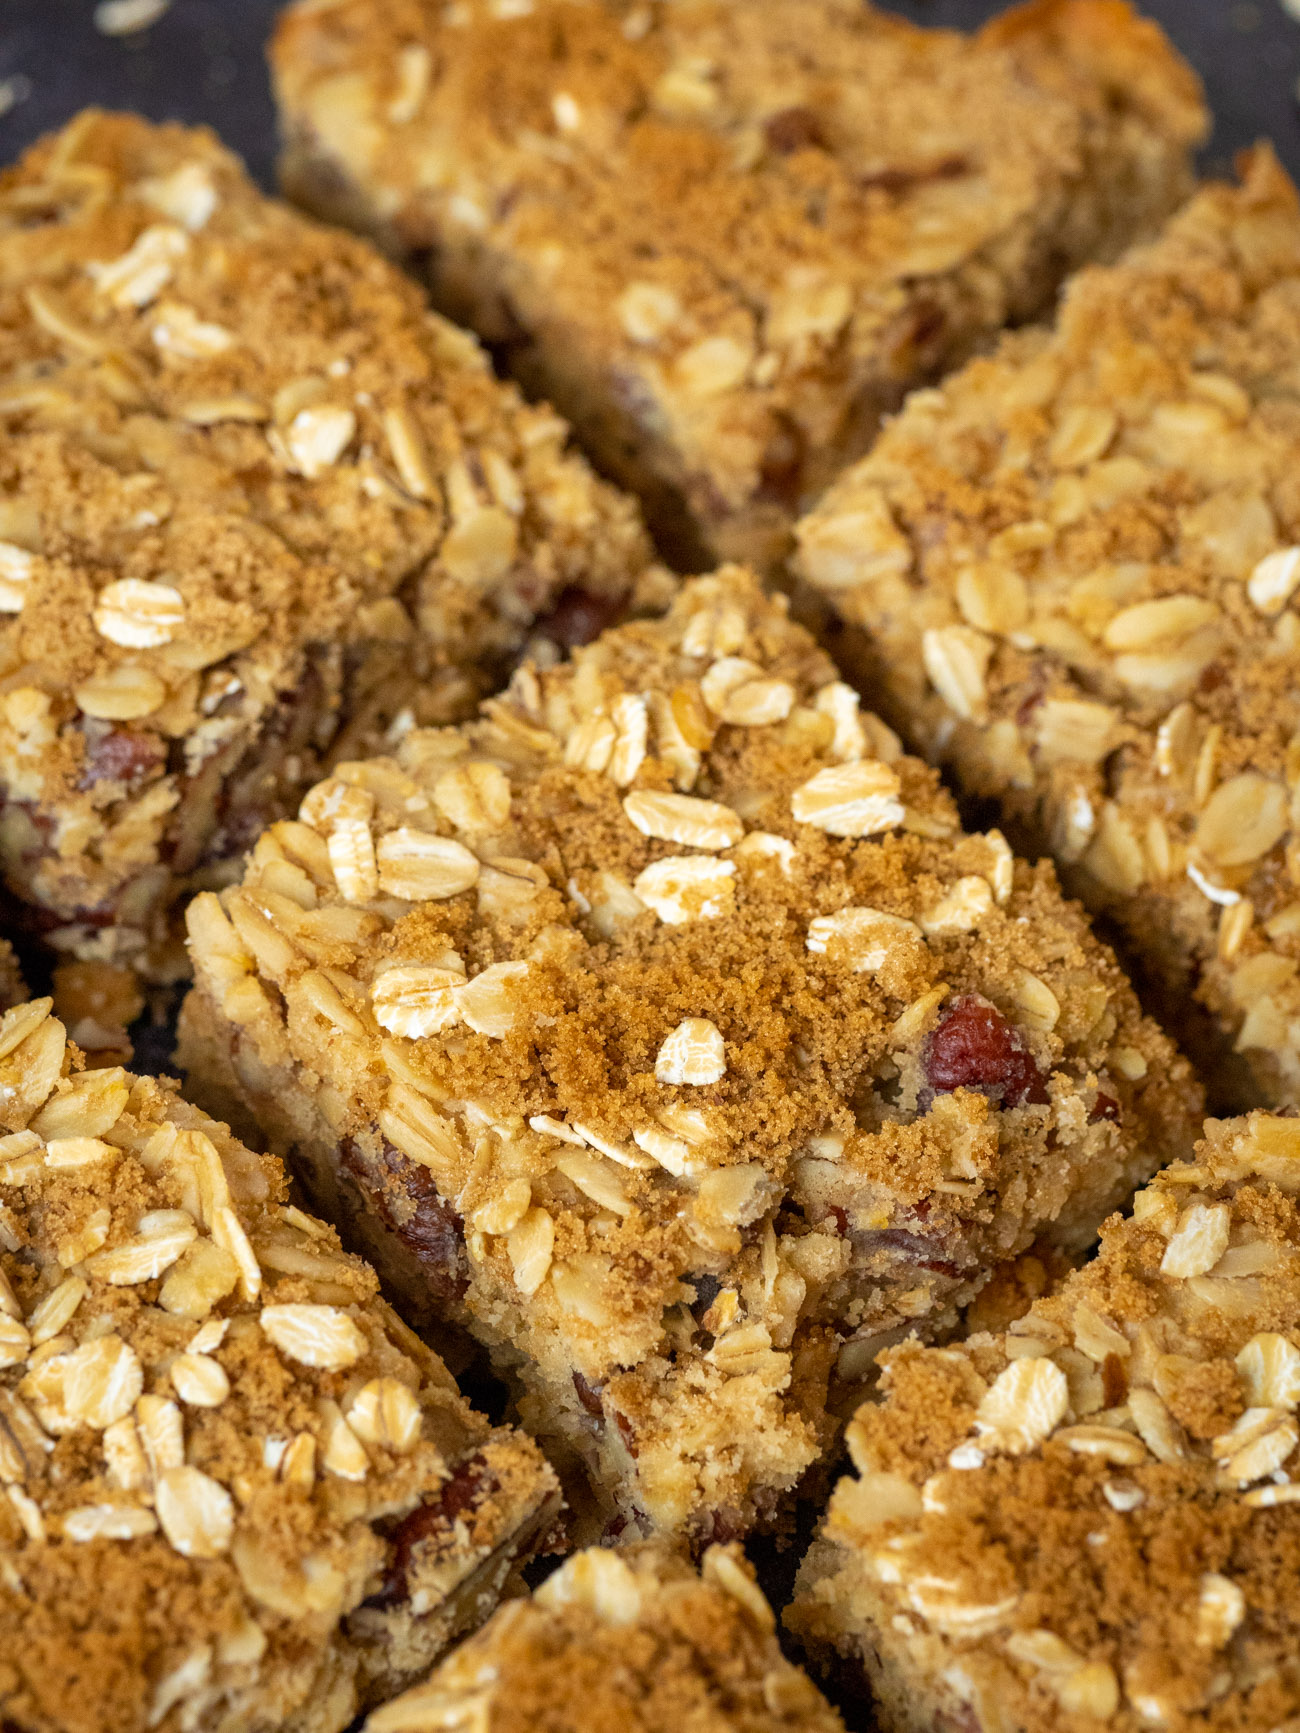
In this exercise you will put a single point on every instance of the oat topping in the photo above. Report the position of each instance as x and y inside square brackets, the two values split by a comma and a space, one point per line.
[1094, 1510]
[254, 500]
[233, 1486]
[687, 1082]
[1077, 562]
[631, 1638]
[724, 239]
[693, 1052]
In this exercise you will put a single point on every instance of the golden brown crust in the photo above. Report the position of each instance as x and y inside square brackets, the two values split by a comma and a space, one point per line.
[1078, 564]
[671, 1033]
[234, 1488]
[1092, 1518]
[250, 491]
[634, 1640]
[724, 238]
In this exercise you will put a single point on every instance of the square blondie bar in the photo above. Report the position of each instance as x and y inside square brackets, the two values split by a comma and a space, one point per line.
[725, 238]
[236, 1491]
[1076, 565]
[1092, 1519]
[250, 490]
[632, 1639]
[664, 1028]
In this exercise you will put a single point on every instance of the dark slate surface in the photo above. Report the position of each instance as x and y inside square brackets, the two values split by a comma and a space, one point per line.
[203, 62]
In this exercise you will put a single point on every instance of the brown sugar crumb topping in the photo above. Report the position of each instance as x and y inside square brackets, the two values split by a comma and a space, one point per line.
[1095, 1509]
[640, 970]
[208, 1418]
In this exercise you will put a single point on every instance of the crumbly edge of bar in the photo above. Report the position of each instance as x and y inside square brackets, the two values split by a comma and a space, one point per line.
[246, 467]
[1090, 1513]
[243, 1435]
[1140, 532]
[332, 996]
[841, 1624]
[611, 1634]
[724, 429]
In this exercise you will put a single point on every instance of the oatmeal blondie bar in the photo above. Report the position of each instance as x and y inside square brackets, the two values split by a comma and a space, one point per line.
[1077, 564]
[1093, 1517]
[249, 488]
[236, 1491]
[725, 238]
[633, 1639]
[663, 1027]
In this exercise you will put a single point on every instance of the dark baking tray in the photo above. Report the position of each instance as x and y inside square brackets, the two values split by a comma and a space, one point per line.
[203, 61]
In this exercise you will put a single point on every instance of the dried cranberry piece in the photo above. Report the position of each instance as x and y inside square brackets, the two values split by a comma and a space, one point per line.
[589, 1396]
[577, 617]
[720, 1527]
[1114, 1381]
[792, 129]
[461, 1490]
[840, 1218]
[928, 321]
[627, 1432]
[119, 755]
[454, 1497]
[899, 180]
[1104, 1107]
[781, 467]
[1028, 705]
[429, 1226]
[915, 1248]
[36, 920]
[974, 1047]
[434, 1234]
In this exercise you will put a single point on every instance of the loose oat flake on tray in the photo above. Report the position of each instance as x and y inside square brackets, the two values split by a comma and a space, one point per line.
[250, 491]
[1092, 1519]
[663, 1027]
[236, 1491]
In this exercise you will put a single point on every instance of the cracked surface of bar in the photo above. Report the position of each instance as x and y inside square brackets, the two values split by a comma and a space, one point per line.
[663, 1027]
[1077, 563]
[725, 239]
[250, 489]
[632, 1639]
[236, 1491]
[1092, 1519]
